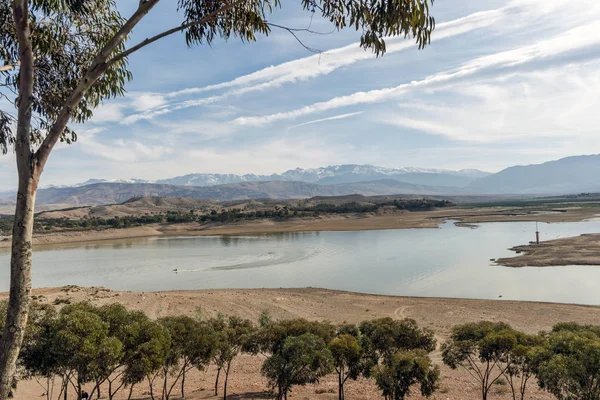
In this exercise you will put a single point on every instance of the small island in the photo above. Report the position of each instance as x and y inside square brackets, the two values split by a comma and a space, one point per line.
[578, 250]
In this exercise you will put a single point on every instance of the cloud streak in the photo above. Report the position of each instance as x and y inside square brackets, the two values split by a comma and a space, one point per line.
[575, 39]
[313, 66]
[334, 118]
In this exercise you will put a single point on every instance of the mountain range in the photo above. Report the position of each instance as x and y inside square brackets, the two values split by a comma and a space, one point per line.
[565, 176]
[331, 175]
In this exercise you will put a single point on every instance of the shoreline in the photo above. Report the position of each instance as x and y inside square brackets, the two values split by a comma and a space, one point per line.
[350, 222]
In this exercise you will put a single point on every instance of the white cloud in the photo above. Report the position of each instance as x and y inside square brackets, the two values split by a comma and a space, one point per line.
[278, 154]
[424, 125]
[528, 107]
[108, 112]
[121, 150]
[146, 101]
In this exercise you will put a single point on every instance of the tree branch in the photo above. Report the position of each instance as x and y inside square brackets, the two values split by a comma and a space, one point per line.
[293, 33]
[8, 67]
[169, 32]
[96, 69]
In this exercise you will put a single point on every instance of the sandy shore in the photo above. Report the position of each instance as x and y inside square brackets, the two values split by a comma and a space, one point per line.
[579, 250]
[320, 304]
[350, 222]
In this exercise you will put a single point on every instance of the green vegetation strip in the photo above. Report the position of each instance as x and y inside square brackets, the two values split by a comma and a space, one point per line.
[224, 216]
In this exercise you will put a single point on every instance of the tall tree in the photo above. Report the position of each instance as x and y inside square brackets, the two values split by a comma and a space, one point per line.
[193, 344]
[568, 363]
[405, 369]
[517, 363]
[64, 57]
[347, 356]
[480, 348]
[300, 360]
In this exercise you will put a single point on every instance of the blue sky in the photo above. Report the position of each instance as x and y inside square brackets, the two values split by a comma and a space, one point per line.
[503, 83]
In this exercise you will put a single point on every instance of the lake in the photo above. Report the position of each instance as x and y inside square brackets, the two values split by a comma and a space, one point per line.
[446, 262]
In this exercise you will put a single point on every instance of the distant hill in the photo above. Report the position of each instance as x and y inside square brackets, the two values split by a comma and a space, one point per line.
[152, 205]
[113, 193]
[568, 175]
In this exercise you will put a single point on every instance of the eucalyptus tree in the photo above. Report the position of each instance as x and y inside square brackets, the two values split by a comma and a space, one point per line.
[300, 360]
[61, 58]
[567, 364]
[347, 356]
[482, 349]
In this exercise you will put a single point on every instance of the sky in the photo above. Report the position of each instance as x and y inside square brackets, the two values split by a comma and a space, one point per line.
[502, 83]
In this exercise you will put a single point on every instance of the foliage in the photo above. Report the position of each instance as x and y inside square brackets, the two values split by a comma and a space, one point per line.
[193, 344]
[347, 359]
[264, 319]
[568, 363]
[405, 369]
[231, 338]
[83, 347]
[517, 363]
[481, 348]
[271, 339]
[383, 338]
[298, 361]
[65, 40]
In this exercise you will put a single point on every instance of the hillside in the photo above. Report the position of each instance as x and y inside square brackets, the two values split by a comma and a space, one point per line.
[568, 175]
[152, 205]
[113, 193]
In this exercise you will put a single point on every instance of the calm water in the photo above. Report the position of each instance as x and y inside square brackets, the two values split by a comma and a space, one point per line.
[449, 261]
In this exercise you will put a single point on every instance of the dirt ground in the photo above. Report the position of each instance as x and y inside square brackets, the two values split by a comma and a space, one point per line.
[335, 306]
[348, 222]
[579, 250]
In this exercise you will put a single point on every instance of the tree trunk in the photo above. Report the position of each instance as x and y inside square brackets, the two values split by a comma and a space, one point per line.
[20, 262]
[183, 384]
[130, 392]
[20, 283]
[340, 387]
[165, 394]
[217, 381]
[151, 383]
[226, 379]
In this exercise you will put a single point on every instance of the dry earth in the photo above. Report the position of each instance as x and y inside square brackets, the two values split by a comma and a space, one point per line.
[319, 304]
[579, 250]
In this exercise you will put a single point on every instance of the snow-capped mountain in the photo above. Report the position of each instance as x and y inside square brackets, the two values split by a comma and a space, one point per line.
[93, 181]
[333, 174]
